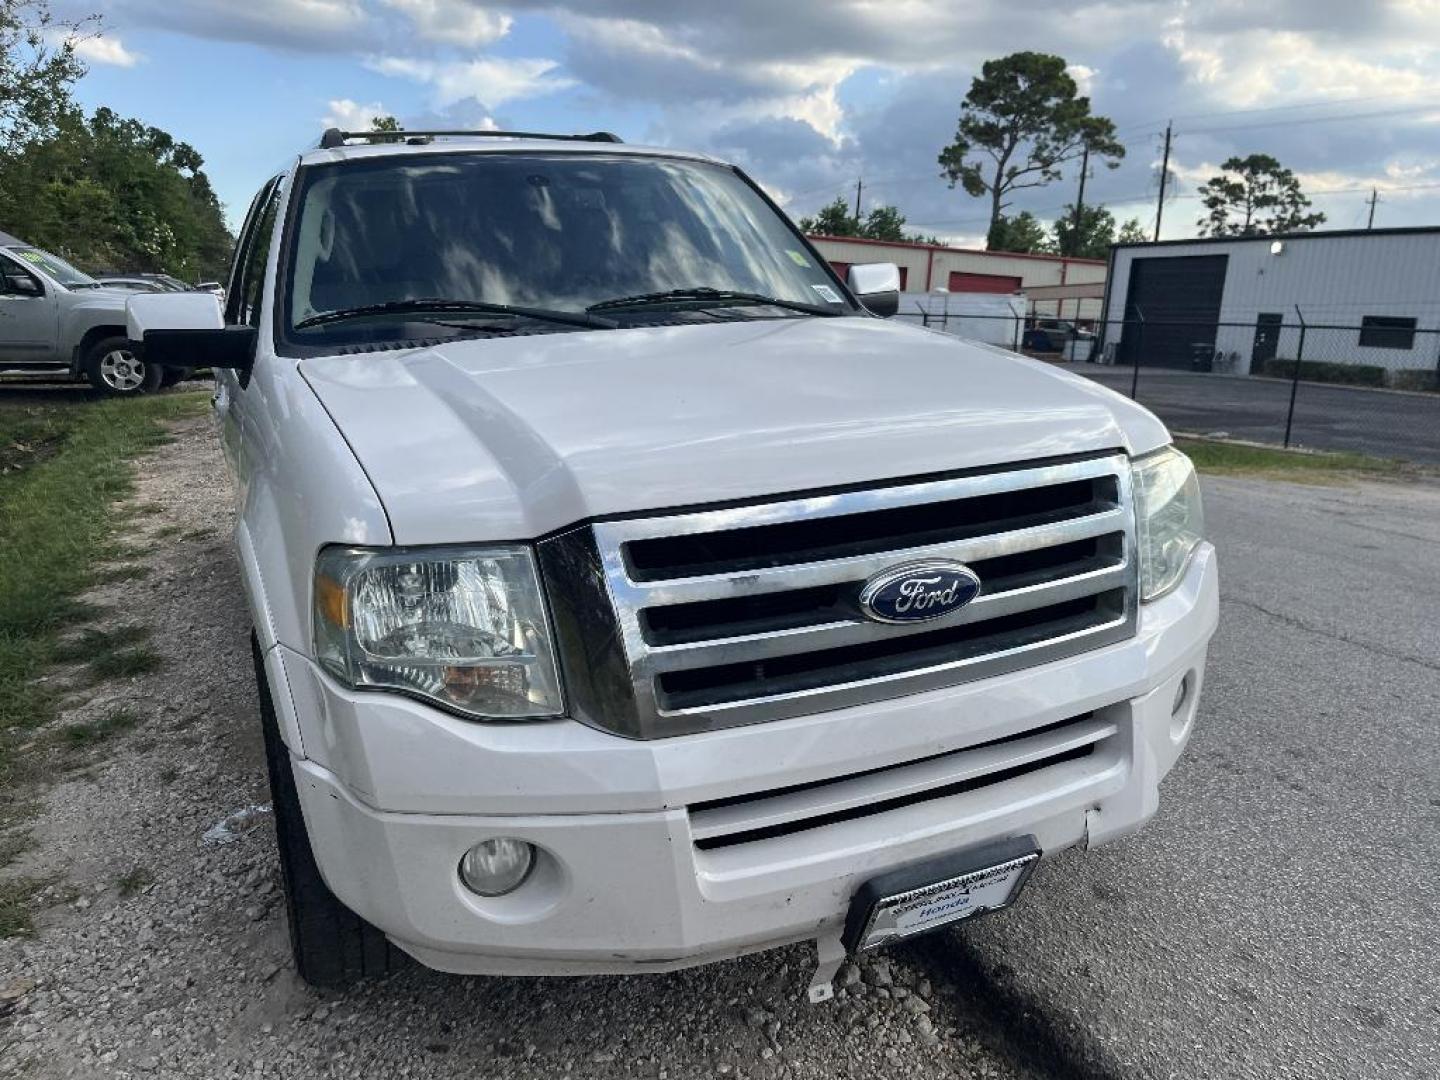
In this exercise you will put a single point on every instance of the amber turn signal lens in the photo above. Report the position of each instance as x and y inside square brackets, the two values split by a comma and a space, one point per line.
[330, 601]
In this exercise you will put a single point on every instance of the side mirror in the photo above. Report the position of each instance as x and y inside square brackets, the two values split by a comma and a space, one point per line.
[187, 330]
[877, 286]
[23, 285]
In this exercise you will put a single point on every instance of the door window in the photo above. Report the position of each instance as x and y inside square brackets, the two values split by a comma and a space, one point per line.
[15, 280]
[247, 277]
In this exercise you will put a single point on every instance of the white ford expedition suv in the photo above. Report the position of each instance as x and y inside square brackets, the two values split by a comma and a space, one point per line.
[628, 594]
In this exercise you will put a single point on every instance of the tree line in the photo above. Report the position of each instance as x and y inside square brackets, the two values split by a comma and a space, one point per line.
[104, 191]
[1021, 122]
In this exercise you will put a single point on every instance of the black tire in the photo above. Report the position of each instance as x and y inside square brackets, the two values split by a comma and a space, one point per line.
[170, 376]
[115, 371]
[333, 947]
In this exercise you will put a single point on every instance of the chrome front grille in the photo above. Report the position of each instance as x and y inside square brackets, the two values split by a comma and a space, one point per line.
[749, 613]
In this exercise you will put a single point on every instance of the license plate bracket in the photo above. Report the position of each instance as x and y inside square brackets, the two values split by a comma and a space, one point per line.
[939, 892]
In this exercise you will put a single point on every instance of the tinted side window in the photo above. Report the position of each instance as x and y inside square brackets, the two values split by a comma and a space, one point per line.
[16, 280]
[247, 281]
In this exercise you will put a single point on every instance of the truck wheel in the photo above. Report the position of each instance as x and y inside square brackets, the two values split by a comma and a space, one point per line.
[113, 369]
[333, 947]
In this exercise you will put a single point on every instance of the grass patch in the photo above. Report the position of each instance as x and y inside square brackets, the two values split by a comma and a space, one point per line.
[118, 575]
[84, 736]
[110, 654]
[133, 881]
[126, 663]
[13, 845]
[1238, 459]
[15, 896]
[58, 518]
[90, 643]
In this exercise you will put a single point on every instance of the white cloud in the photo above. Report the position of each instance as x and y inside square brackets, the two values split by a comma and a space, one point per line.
[107, 50]
[1084, 77]
[454, 22]
[493, 81]
[350, 115]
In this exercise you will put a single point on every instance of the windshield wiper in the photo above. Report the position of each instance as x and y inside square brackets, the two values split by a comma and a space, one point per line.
[712, 297]
[438, 305]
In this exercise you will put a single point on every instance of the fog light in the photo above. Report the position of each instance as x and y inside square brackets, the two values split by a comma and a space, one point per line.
[496, 867]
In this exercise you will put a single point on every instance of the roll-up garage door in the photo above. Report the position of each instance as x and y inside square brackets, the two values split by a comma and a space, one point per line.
[1179, 301]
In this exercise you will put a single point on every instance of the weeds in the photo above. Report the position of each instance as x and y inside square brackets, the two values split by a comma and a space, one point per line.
[126, 663]
[85, 735]
[16, 894]
[134, 881]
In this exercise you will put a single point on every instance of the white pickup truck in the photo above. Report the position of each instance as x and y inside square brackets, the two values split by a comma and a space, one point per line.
[628, 594]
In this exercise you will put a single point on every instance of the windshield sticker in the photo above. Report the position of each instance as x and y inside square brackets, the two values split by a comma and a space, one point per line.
[798, 258]
[826, 293]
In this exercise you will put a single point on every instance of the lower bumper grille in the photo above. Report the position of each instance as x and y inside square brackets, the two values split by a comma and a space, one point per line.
[767, 815]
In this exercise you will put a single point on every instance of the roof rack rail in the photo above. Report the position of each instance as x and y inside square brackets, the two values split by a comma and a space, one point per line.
[334, 137]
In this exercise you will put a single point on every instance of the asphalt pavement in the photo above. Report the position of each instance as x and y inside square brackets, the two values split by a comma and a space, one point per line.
[1281, 916]
[1384, 423]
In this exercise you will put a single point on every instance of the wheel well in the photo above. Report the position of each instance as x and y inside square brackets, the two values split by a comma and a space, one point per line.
[94, 334]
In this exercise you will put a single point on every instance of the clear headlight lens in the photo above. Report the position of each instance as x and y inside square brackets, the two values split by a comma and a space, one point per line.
[465, 627]
[1169, 517]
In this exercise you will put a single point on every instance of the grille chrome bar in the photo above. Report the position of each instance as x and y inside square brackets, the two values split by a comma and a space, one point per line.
[1102, 519]
[860, 567]
[852, 632]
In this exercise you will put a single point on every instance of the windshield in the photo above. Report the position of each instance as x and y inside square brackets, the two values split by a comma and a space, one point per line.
[556, 231]
[56, 268]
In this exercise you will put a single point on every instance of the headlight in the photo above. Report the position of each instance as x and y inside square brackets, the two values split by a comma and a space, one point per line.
[1168, 515]
[465, 627]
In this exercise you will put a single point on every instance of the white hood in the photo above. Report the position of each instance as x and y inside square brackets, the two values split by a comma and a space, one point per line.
[513, 438]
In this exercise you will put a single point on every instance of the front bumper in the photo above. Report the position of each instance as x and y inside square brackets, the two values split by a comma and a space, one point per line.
[393, 793]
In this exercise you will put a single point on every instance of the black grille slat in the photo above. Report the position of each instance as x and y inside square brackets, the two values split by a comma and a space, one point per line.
[798, 672]
[854, 813]
[816, 539]
[761, 613]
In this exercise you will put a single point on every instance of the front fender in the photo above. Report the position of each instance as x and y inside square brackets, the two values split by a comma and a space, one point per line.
[301, 489]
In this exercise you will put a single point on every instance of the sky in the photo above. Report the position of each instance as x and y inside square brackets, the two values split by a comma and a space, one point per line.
[807, 96]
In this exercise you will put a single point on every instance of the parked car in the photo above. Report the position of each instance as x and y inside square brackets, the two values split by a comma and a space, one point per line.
[142, 282]
[628, 594]
[56, 320]
[1053, 335]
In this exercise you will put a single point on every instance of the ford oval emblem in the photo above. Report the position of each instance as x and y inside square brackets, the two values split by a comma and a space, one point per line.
[918, 591]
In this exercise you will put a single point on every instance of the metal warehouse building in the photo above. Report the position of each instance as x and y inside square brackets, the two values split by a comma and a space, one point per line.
[1365, 297]
[1063, 287]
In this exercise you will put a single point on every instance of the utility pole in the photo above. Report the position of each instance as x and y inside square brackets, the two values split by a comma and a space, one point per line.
[859, 185]
[1374, 198]
[1164, 175]
[1079, 203]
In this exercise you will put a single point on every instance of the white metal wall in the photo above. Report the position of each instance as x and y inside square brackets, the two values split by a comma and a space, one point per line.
[1334, 280]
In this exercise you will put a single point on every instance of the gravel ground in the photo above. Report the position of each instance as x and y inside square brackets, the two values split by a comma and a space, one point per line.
[190, 975]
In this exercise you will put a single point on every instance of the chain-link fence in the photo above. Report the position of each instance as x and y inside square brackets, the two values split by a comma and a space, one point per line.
[1371, 387]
